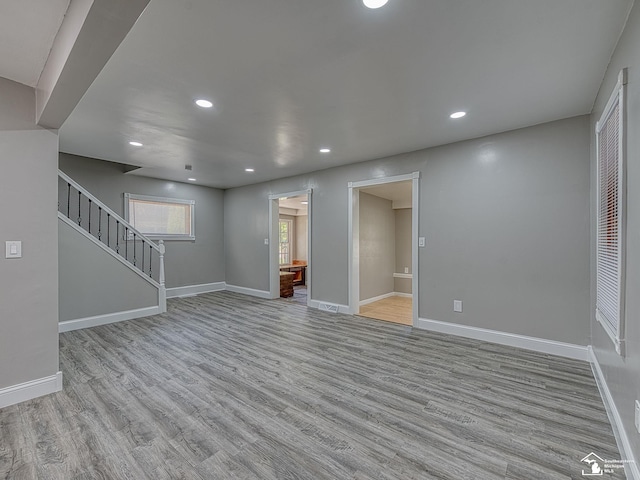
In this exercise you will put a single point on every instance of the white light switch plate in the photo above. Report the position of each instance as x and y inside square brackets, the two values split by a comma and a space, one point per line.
[266, 241]
[13, 249]
[421, 241]
[457, 306]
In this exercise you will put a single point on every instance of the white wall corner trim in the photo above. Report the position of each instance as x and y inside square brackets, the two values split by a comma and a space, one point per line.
[189, 290]
[97, 320]
[341, 308]
[632, 469]
[551, 347]
[248, 291]
[29, 390]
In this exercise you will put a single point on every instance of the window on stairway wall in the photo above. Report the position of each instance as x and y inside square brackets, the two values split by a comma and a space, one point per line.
[161, 218]
[285, 241]
[610, 275]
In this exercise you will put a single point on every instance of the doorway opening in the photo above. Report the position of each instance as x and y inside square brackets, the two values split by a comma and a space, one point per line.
[290, 246]
[383, 248]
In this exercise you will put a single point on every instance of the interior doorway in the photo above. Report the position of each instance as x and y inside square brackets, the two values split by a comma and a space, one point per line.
[383, 248]
[290, 246]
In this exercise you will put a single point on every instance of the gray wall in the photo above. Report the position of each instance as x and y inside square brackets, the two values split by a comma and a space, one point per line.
[403, 248]
[506, 218]
[28, 286]
[301, 237]
[92, 282]
[377, 246]
[186, 262]
[623, 374]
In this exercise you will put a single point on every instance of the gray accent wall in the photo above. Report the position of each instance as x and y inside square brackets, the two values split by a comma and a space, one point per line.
[506, 221]
[622, 373]
[186, 262]
[403, 218]
[93, 282]
[377, 246]
[29, 285]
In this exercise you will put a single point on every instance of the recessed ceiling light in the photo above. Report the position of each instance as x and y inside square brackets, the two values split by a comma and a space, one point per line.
[204, 103]
[135, 144]
[458, 114]
[325, 150]
[304, 203]
[249, 170]
[191, 179]
[374, 3]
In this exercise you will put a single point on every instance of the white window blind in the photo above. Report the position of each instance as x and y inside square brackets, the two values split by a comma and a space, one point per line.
[610, 224]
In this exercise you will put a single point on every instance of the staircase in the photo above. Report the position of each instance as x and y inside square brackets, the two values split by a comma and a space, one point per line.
[109, 270]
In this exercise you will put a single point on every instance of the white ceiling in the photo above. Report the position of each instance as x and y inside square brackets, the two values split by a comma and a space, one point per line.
[398, 192]
[294, 203]
[290, 77]
[27, 31]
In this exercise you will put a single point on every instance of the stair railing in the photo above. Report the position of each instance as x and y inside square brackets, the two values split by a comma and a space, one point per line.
[111, 230]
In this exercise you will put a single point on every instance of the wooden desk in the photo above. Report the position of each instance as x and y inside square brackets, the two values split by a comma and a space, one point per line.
[299, 270]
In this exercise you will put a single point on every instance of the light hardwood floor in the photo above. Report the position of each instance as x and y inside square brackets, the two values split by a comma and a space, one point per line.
[225, 386]
[391, 309]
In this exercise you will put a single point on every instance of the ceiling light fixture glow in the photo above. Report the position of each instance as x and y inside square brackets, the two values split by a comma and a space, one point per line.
[374, 3]
[458, 114]
[191, 179]
[249, 170]
[325, 150]
[304, 203]
[135, 144]
[204, 103]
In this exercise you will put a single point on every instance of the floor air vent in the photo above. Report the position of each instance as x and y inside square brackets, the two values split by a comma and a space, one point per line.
[328, 307]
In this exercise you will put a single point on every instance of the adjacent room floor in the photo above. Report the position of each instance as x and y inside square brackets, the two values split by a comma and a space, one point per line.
[225, 386]
[394, 309]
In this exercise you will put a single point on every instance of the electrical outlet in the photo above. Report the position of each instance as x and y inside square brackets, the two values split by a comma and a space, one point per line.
[266, 241]
[638, 416]
[457, 306]
[406, 269]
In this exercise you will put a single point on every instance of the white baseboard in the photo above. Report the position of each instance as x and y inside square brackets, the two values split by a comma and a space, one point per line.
[29, 390]
[402, 294]
[569, 350]
[341, 308]
[87, 322]
[248, 291]
[375, 299]
[195, 289]
[624, 445]
[383, 296]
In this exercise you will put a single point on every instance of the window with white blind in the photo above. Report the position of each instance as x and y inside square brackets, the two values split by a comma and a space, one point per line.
[161, 218]
[284, 251]
[610, 223]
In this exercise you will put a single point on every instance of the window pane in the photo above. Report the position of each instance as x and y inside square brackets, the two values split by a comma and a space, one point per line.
[161, 218]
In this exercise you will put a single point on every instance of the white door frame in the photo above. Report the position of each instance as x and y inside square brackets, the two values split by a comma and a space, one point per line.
[354, 237]
[274, 263]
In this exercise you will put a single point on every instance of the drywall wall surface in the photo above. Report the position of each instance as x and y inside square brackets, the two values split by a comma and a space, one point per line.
[377, 246]
[506, 222]
[28, 285]
[92, 282]
[186, 262]
[622, 373]
[302, 223]
[403, 240]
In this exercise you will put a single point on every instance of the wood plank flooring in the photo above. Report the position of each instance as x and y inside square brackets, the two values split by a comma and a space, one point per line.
[394, 309]
[225, 386]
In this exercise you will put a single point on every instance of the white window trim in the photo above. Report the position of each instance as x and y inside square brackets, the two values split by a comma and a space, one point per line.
[617, 99]
[152, 198]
